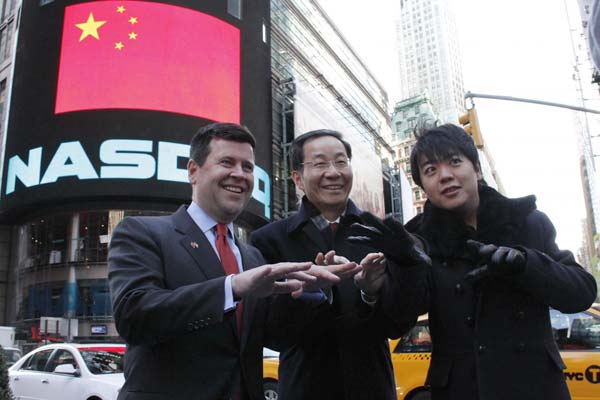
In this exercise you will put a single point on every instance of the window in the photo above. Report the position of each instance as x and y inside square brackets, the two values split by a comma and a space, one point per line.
[579, 331]
[37, 362]
[417, 340]
[62, 357]
[417, 195]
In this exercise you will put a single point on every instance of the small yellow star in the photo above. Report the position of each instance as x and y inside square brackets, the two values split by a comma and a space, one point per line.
[120, 9]
[133, 20]
[90, 28]
[119, 45]
[133, 36]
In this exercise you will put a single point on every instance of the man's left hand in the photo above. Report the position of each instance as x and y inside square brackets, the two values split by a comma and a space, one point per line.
[371, 278]
[499, 261]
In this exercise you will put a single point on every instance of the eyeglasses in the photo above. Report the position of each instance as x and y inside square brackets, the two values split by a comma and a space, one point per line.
[323, 165]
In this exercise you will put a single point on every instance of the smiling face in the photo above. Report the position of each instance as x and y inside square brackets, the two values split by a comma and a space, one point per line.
[327, 189]
[222, 186]
[451, 184]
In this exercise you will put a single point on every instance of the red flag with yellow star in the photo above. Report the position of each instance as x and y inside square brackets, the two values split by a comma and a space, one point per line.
[150, 56]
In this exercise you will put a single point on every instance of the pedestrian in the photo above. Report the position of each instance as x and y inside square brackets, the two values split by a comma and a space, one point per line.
[495, 271]
[186, 293]
[337, 349]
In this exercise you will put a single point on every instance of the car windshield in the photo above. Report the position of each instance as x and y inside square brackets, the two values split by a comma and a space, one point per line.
[11, 356]
[103, 360]
[579, 331]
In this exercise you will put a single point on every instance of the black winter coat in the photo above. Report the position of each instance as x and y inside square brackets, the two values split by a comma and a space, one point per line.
[491, 340]
[328, 351]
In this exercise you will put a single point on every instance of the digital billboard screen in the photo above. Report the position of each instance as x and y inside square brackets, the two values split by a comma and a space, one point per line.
[106, 96]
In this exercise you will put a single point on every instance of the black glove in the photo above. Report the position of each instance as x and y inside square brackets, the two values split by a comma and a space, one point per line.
[498, 261]
[390, 238]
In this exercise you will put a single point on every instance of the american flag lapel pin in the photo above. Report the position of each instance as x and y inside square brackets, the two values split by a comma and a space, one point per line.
[194, 245]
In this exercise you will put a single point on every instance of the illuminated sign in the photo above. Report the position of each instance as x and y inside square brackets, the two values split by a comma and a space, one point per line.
[107, 95]
[121, 159]
[153, 56]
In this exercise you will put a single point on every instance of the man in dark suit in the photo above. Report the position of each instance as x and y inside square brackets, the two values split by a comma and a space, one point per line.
[494, 271]
[185, 292]
[337, 348]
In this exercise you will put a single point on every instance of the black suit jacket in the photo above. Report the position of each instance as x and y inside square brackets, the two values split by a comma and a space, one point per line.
[167, 289]
[329, 351]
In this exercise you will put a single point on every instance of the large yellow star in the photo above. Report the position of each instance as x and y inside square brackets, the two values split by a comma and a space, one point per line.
[90, 28]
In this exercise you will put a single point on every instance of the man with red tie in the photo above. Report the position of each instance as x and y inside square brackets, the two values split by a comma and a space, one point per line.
[186, 293]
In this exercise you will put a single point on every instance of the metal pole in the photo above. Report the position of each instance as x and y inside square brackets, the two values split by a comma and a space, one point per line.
[471, 96]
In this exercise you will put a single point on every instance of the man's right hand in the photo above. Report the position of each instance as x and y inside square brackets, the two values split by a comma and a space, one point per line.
[330, 269]
[391, 238]
[263, 281]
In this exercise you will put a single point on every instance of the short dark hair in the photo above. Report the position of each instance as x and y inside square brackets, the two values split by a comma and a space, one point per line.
[440, 143]
[200, 144]
[297, 146]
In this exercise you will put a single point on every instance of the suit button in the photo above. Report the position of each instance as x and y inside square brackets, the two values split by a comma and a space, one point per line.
[521, 315]
[190, 327]
[459, 289]
[470, 321]
[444, 264]
[481, 349]
[520, 347]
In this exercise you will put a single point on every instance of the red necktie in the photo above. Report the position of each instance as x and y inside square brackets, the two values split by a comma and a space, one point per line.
[333, 226]
[230, 266]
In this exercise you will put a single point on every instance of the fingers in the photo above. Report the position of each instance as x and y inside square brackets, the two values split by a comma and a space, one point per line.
[329, 257]
[393, 225]
[499, 256]
[280, 270]
[321, 273]
[320, 259]
[515, 257]
[301, 276]
[339, 269]
[372, 258]
[373, 221]
[288, 286]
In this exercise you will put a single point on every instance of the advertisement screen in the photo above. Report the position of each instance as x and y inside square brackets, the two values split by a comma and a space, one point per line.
[106, 96]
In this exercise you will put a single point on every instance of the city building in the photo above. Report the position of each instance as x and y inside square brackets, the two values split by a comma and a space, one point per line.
[410, 116]
[320, 81]
[429, 56]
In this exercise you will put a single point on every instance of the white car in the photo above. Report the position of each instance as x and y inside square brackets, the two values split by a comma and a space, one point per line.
[69, 371]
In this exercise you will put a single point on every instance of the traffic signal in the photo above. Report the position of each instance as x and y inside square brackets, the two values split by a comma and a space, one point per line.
[470, 124]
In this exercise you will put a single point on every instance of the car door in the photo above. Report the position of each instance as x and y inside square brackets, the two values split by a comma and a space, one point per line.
[63, 386]
[28, 382]
[578, 339]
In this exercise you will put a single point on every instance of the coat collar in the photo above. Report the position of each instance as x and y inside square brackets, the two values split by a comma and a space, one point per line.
[308, 210]
[500, 221]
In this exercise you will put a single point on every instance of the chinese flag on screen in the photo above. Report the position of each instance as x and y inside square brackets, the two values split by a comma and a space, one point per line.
[151, 56]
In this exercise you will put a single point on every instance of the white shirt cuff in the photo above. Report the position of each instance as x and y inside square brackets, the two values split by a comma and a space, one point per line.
[230, 304]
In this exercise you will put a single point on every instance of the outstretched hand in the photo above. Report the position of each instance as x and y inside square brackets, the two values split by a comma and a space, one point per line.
[498, 261]
[330, 269]
[371, 279]
[263, 281]
[390, 238]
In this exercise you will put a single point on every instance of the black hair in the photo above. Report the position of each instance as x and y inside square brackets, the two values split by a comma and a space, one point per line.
[440, 143]
[200, 144]
[297, 146]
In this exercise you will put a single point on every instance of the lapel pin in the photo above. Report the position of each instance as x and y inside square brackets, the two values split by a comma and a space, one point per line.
[194, 245]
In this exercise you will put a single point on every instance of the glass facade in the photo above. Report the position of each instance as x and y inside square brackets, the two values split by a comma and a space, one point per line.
[60, 273]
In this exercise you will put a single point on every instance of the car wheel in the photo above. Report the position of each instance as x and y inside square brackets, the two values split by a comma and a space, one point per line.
[423, 395]
[270, 390]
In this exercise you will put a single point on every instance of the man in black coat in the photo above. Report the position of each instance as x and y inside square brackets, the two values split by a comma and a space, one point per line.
[495, 271]
[182, 286]
[336, 347]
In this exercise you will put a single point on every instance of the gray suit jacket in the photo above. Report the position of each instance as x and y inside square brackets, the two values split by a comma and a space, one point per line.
[167, 290]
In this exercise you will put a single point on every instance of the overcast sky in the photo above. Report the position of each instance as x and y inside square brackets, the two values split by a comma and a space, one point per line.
[513, 48]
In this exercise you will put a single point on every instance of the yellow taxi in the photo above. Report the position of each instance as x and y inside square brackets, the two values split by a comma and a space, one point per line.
[577, 336]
